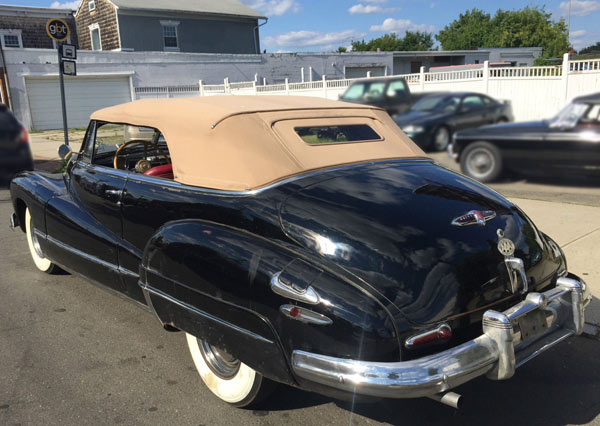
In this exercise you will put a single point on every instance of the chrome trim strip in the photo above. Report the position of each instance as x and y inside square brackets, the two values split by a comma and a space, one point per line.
[86, 256]
[206, 315]
[516, 272]
[496, 352]
[307, 295]
[136, 177]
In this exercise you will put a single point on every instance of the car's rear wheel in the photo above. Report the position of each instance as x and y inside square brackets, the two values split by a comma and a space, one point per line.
[441, 138]
[481, 161]
[41, 262]
[502, 120]
[226, 376]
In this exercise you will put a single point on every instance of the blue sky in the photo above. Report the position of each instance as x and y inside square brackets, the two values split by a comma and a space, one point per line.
[323, 25]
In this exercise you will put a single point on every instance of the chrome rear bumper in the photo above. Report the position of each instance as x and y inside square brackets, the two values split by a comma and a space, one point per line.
[509, 340]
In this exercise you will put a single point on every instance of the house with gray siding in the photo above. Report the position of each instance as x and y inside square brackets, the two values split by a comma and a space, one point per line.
[199, 26]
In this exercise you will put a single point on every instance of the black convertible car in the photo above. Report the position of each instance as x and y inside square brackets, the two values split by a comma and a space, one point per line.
[569, 142]
[431, 121]
[305, 242]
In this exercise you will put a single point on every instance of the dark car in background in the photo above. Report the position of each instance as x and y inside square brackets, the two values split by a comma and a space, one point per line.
[390, 93]
[431, 121]
[568, 142]
[15, 154]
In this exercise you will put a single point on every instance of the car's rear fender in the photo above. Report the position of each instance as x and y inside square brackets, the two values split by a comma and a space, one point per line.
[33, 190]
[215, 282]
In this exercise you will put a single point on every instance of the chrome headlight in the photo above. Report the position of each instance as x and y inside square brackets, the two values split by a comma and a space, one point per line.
[413, 129]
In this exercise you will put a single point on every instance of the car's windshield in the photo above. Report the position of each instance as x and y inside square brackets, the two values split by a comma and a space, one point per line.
[437, 103]
[365, 90]
[569, 115]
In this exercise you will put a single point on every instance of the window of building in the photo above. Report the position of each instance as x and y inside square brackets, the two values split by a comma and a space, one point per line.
[170, 35]
[11, 38]
[95, 37]
[55, 43]
[92, 5]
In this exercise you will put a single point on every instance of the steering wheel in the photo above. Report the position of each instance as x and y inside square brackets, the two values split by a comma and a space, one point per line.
[146, 143]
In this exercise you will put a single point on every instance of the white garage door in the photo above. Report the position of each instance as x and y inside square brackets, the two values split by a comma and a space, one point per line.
[84, 95]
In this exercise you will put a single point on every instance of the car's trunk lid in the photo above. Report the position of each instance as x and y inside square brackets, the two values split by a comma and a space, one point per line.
[391, 227]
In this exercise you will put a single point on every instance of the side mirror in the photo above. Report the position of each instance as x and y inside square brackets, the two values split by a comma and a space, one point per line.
[65, 152]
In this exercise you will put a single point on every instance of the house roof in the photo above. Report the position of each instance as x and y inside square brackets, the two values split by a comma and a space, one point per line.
[220, 7]
[240, 143]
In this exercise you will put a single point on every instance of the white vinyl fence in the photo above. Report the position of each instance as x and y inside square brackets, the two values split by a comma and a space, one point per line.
[534, 92]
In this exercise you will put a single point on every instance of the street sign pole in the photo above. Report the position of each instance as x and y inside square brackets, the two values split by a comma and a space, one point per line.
[58, 30]
[62, 94]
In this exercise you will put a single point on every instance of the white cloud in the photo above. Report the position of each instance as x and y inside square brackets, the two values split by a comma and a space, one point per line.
[370, 8]
[301, 39]
[579, 7]
[391, 25]
[375, 1]
[73, 5]
[582, 38]
[273, 7]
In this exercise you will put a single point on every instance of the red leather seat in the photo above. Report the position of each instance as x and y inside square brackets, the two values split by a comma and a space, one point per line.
[164, 171]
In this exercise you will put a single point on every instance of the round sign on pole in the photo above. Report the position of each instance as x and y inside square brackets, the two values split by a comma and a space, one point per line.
[57, 29]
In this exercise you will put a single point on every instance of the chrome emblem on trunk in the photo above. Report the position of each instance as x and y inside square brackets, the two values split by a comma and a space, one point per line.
[474, 217]
[506, 247]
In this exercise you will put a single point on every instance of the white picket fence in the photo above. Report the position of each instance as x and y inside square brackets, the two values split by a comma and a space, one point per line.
[534, 92]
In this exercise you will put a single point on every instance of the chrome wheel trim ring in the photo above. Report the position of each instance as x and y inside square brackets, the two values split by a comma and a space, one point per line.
[441, 139]
[219, 361]
[480, 163]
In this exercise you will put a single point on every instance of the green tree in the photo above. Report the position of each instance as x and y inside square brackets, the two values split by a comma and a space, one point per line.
[527, 27]
[416, 40]
[590, 49]
[469, 31]
[341, 49]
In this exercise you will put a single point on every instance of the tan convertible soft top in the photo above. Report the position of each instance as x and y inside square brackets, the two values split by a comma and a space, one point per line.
[240, 143]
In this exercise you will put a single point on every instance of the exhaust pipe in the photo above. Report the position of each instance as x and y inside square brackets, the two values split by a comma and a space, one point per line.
[451, 399]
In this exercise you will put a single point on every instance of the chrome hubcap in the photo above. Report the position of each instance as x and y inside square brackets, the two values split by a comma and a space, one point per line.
[220, 362]
[34, 240]
[480, 163]
[442, 137]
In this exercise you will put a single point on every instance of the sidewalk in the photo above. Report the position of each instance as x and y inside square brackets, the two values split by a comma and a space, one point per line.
[576, 228]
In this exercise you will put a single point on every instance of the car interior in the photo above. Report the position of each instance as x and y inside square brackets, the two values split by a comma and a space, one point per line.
[132, 148]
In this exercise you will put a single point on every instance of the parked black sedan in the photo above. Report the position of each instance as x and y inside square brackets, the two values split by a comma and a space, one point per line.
[431, 121]
[15, 155]
[569, 142]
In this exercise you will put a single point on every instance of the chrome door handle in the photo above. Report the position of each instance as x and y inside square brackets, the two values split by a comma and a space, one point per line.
[307, 295]
[116, 192]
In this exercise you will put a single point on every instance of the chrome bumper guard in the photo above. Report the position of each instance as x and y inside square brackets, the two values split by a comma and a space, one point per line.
[509, 339]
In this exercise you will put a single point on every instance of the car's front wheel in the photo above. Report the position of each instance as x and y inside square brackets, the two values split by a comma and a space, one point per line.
[441, 138]
[481, 161]
[226, 376]
[41, 262]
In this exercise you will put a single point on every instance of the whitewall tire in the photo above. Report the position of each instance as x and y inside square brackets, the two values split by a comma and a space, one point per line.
[225, 376]
[43, 264]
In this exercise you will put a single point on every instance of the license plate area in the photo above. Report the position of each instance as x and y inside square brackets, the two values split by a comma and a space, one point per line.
[532, 324]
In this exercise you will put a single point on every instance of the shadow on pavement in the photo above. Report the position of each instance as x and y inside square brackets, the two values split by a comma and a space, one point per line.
[558, 388]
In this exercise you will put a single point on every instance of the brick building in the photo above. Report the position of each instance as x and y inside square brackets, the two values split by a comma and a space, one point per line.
[25, 27]
[201, 26]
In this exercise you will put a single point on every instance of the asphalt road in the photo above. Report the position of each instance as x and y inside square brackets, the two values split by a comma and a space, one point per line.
[73, 354]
